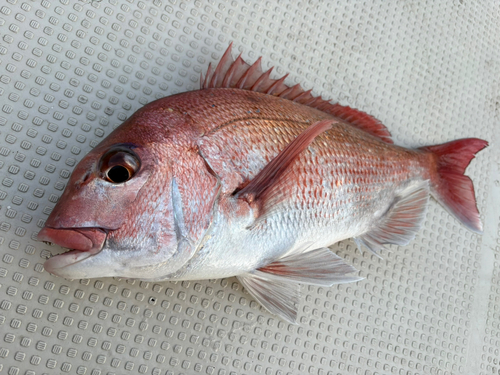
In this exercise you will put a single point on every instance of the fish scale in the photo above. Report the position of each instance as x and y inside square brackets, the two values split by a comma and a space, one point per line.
[355, 166]
[251, 178]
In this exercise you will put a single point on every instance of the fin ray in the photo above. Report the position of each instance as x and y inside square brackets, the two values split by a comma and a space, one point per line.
[249, 76]
[275, 295]
[401, 222]
[315, 267]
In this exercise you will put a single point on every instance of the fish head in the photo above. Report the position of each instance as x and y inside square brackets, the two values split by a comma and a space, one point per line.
[127, 209]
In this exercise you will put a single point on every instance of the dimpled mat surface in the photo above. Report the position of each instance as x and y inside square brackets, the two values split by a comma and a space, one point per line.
[71, 71]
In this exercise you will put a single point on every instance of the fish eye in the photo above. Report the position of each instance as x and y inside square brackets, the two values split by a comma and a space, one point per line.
[118, 166]
[118, 174]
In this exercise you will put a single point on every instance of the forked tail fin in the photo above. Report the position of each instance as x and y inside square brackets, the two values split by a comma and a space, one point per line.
[451, 187]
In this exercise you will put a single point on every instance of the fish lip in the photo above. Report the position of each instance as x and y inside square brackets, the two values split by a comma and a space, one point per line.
[83, 239]
[82, 242]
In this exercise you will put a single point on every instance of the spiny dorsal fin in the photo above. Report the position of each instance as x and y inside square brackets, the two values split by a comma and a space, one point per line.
[231, 73]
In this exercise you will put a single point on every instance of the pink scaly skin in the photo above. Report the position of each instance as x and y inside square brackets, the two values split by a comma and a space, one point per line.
[208, 188]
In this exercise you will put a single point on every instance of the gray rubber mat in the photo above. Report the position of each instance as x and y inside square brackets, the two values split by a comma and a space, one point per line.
[71, 71]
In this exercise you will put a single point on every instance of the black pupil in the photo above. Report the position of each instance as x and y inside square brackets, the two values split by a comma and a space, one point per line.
[118, 174]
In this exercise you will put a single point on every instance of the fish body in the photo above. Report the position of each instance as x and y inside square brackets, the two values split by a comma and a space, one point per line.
[332, 192]
[250, 178]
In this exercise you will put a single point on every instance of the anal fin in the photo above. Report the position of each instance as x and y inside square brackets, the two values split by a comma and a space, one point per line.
[276, 288]
[401, 222]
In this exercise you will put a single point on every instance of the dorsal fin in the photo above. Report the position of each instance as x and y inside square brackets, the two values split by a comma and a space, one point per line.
[231, 73]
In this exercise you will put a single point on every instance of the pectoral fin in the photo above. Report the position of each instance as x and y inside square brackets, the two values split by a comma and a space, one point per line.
[401, 222]
[275, 286]
[272, 171]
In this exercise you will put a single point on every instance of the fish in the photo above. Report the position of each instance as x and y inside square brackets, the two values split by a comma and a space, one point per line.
[252, 178]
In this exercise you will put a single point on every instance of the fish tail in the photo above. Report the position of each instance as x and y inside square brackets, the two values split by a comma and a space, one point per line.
[449, 185]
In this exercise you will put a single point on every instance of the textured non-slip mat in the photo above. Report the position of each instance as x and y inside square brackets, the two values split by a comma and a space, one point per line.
[72, 70]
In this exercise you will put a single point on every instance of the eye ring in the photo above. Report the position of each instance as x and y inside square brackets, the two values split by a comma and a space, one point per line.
[119, 165]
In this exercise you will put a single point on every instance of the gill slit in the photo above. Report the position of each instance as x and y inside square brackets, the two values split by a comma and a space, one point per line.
[215, 203]
[209, 230]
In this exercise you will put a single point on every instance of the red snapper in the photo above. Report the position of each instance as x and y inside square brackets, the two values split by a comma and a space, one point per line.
[251, 178]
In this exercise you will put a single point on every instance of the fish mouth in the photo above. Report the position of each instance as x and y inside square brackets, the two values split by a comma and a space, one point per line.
[81, 242]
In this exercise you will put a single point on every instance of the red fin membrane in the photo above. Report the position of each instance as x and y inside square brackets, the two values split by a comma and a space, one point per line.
[401, 222]
[360, 120]
[272, 171]
[231, 73]
[452, 189]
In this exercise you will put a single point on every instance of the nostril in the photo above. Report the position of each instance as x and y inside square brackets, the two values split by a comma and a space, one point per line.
[85, 177]
[79, 183]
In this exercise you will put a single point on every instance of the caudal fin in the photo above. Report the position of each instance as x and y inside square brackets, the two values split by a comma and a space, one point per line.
[451, 188]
